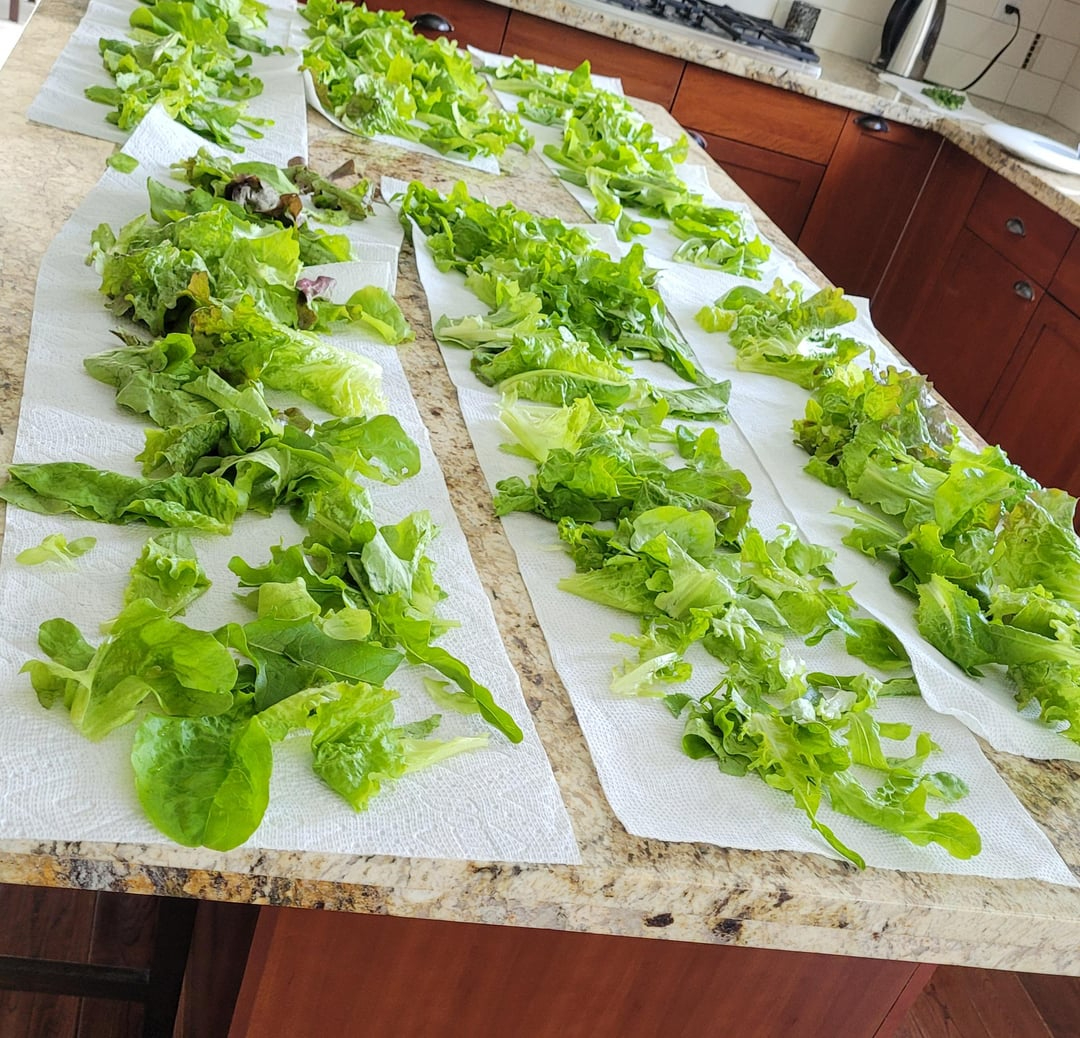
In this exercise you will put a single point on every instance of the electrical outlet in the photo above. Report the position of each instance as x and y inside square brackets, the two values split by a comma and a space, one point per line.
[1003, 12]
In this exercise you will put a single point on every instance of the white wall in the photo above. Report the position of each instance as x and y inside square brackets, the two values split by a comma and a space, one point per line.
[1050, 85]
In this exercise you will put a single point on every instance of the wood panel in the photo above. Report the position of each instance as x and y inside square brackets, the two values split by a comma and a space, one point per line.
[870, 188]
[1033, 413]
[123, 935]
[914, 273]
[1038, 238]
[219, 950]
[474, 21]
[753, 113]
[784, 187]
[318, 973]
[969, 326]
[974, 1003]
[43, 924]
[1065, 287]
[644, 73]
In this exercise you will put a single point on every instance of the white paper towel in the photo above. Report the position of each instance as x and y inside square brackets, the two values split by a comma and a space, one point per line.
[654, 789]
[764, 408]
[61, 102]
[500, 803]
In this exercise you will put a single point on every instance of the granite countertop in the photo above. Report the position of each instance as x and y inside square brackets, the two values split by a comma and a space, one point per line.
[625, 885]
[844, 81]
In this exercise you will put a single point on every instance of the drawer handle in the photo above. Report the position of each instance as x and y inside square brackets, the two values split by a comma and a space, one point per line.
[1024, 290]
[698, 139]
[873, 123]
[1014, 225]
[432, 22]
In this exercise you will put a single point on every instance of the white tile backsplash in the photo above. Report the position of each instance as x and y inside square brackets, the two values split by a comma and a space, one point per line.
[1066, 107]
[1033, 93]
[970, 37]
[1054, 59]
[854, 36]
[1061, 21]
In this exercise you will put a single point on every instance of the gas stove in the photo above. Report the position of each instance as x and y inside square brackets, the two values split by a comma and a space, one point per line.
[732, 30]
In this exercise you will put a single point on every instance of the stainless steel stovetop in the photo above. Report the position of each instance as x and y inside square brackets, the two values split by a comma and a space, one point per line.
[730, 29]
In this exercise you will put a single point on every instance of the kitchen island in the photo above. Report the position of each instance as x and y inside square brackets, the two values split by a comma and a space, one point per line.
[625, 886]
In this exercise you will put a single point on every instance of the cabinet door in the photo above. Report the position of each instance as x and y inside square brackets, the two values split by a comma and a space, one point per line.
[970, 325]
[1033, 413]
[870, 187]
[915, 271]
[783, 186]
[474, 21]
[644, 73]
[757, 114]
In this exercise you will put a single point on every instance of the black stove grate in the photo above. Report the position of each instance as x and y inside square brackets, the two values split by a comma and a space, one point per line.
[724, 21]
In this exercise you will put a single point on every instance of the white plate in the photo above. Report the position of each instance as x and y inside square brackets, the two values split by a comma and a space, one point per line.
[1043, 151]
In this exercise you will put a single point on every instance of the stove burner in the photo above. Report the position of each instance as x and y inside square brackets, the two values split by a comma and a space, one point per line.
[721, 20]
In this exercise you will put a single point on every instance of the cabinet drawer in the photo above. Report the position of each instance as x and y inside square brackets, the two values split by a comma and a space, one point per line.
[644, 73]
[753, 113]
[474, 21]
[1024, 231]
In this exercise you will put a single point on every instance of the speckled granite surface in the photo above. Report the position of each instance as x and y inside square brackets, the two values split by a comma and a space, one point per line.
[625, 885]
[844, 81]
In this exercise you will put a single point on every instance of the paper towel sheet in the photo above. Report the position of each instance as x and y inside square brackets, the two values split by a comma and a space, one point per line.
[482, 162]
[500, 803]
[654, 789]
[661, 241]
[767, 406]
[61, 102]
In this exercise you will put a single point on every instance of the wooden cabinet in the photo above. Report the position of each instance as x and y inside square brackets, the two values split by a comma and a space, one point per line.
[873, 180]
[644, 73]
[774, 144]
[970, 323]
[1033, 413]
[783, 186]
[474, 21]
[752, 113]
[968, 277]
[428, 977]
[900, 306]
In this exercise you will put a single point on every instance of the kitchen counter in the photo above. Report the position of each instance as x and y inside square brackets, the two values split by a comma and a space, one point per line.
[625, 885]
[844, 81]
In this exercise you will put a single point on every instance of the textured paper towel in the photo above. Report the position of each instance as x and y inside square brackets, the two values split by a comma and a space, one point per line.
[661, 241]
[764, 407]
[62, 102]
[654, 789]
[500, 803]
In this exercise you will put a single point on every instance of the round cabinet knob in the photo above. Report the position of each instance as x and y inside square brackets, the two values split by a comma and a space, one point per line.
[1024, 290]
[432, 22]
[873, 123]
[1014, 225]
